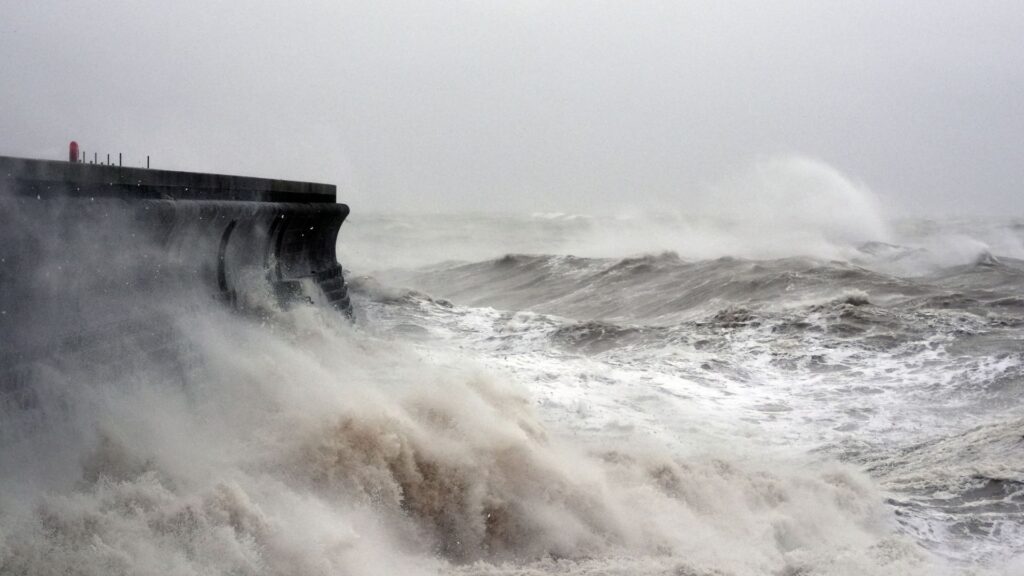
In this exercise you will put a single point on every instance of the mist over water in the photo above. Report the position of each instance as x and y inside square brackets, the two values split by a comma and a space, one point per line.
[307, 447]
[608, 320]
[777, 207]
[790, 385]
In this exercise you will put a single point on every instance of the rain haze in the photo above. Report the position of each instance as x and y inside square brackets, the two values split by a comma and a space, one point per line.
[529, 106]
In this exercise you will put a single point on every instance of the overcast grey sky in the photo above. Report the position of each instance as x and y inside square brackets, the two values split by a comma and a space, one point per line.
[531, 104]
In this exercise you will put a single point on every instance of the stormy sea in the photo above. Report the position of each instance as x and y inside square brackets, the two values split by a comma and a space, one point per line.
[793, 386]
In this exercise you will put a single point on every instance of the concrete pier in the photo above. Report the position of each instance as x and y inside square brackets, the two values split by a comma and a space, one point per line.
[47, 177]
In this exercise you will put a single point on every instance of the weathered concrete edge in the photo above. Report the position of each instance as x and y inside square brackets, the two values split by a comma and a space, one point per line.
[50, 176]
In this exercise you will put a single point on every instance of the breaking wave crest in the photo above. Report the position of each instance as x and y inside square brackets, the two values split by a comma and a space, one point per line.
[195, 441]
[665, 288]
[307, 447]
[870, 360]
[777, 207]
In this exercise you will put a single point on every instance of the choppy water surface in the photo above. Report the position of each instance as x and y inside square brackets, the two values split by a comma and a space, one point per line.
[902, 359]
[556, 394]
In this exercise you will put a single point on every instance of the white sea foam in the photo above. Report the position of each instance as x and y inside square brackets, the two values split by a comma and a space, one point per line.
[441, 438]
[305, 447]
[795, 353]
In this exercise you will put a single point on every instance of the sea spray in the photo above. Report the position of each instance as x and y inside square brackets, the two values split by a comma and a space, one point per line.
[286, 441]
[302, 446]
[774, 207]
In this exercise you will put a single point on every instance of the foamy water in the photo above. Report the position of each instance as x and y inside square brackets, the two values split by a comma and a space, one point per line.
[557, 394]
